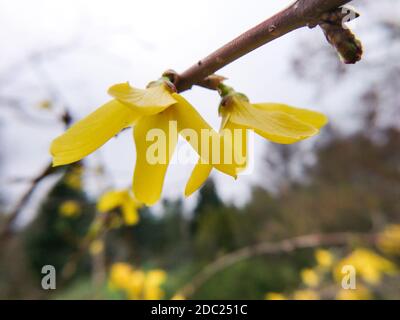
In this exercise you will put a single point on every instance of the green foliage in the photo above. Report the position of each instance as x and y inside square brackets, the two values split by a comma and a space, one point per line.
[356, 191]
[251, 279]
[52, 239]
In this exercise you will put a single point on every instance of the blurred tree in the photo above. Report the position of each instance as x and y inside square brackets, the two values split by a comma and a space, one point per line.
[61, 225]
[161, 241]
[216, 227]
[208, 197]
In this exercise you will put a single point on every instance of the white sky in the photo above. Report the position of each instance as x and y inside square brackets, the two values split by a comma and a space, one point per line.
[107, 42]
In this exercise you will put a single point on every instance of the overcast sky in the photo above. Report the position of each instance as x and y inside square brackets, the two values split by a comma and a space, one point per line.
[90, 45]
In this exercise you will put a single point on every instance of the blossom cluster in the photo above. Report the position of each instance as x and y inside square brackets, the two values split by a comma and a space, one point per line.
[151, 111]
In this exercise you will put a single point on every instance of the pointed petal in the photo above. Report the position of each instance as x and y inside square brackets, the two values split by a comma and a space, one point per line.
[201, 171]
[90, 133]
[276, 126]
[149, 101]
[151, 167]
[314, 118]
[111, 200]
[198, 177]
[187, 117]
[239, 136]
[129, 213]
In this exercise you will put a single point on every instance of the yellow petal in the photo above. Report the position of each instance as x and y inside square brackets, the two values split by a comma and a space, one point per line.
[111, 200]
[239, 135]
[275, 125]
[316, 119]
[149, 101]
[188, 118]
[90, 133]
[198, 177]
[129, 213]
[202, 171]
[154, 149]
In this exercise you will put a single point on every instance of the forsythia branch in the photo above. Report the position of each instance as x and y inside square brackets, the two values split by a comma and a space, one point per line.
[300, 14]
[270, 248]
[7, 227]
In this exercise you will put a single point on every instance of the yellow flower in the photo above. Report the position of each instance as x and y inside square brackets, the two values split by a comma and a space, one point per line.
[310, 278]
[278, 123]
[70, 209]
[156, 277]
[73, 178]
[389, 240]
[137, 284]
[305, 295]
[178, 296]
[120, 275]
[120, 199]
[361, 293]
[134, 289]
[274, 296]
[146, 286]
[154, 280]
[157, 107]
[368, 265]
[96, 247]
[324, 258]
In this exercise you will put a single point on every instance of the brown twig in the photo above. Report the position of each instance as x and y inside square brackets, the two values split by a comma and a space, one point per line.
[97, 230]
[268, 248]
[300, 14]
[7, 227]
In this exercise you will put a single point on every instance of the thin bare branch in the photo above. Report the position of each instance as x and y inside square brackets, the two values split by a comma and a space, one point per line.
[7, 228]
[269, 248]
[300, 14]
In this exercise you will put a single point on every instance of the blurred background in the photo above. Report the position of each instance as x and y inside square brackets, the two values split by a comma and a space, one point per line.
[339, 191]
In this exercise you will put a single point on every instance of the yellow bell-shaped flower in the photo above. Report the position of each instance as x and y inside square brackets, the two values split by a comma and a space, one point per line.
[157, 108]
[120, 199]
[275, 122]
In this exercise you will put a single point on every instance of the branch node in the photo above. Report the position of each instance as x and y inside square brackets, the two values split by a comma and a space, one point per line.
[212, 82]
[172, 75]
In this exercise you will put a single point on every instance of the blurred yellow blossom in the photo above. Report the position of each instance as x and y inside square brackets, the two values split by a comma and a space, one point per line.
[152, 285]
[178, 296]
[305, 295]
[73, 178]
[360, 293]
[137, 284]
[324, 258]
[310, 277]
[96, 247]
[124, 200]
[274, 296]
[120, 275]
[368, 265]
[389, 240]
[70, 209]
